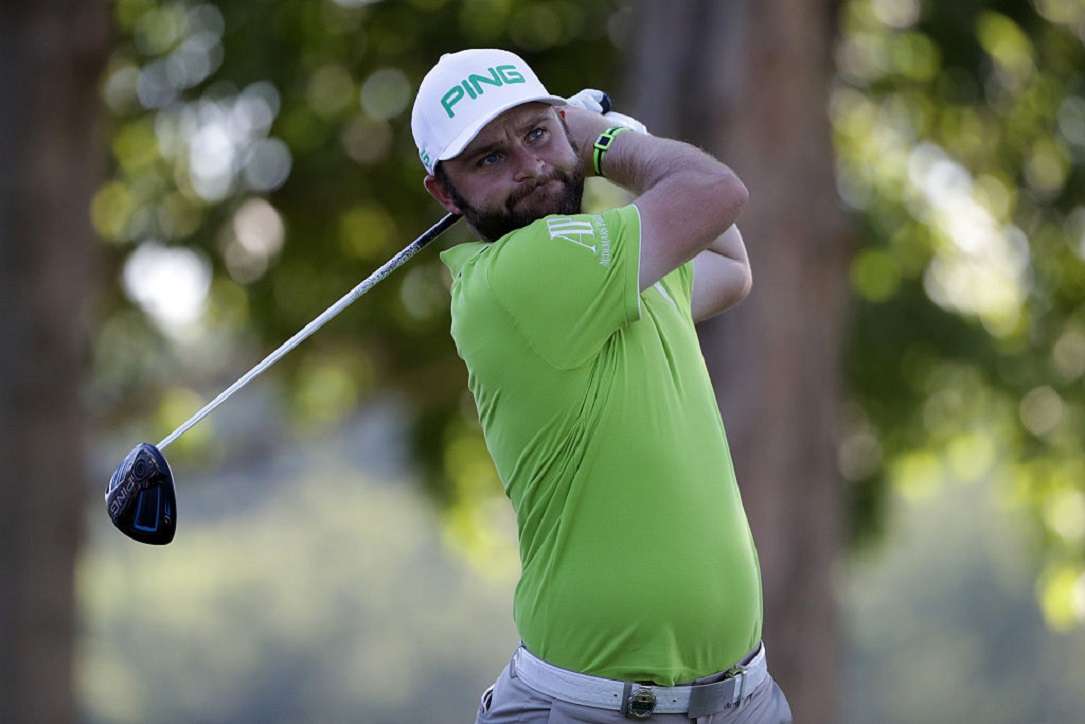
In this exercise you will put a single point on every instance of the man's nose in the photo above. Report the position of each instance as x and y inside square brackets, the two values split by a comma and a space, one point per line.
[528, 165]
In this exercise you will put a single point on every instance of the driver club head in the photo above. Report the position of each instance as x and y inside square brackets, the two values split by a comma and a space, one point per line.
[140, 498]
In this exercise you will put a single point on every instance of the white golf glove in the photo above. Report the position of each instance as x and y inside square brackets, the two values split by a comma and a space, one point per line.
[591, 99]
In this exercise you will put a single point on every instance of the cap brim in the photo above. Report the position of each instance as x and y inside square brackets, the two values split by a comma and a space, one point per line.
[461, 141]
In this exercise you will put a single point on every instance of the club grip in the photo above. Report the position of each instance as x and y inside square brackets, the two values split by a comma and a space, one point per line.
[605, 103]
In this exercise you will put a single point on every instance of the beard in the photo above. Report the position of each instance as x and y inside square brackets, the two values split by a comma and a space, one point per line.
[525, 205]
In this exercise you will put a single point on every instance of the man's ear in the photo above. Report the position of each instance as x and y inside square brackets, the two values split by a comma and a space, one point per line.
[438, 191]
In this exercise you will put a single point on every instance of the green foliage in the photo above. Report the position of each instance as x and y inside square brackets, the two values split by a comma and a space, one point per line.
[948, 609]
[262, 165]
[960, 135]
[270, 142]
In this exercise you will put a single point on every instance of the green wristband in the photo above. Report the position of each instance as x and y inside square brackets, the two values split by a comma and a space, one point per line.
[602, 145]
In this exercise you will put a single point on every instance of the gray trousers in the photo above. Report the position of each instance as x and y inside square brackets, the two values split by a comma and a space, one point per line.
[511, 701]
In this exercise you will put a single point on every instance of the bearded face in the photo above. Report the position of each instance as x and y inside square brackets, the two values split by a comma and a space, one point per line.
[521, 167]
[559, 192]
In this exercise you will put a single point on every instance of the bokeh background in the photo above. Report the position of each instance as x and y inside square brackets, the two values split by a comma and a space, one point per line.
[186, 183]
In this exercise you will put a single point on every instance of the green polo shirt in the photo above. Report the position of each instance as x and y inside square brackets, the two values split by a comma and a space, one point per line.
[636, 555]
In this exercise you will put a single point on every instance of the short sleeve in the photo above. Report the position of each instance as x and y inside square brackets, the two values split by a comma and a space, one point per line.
[570, 282]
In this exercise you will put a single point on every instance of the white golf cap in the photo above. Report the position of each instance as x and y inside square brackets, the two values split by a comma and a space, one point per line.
[464, 92]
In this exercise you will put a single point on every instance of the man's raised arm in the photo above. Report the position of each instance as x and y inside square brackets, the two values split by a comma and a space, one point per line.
[685, 197]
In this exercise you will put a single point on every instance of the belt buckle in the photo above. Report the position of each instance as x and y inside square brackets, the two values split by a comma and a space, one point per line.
[737, 672]
[639, 704]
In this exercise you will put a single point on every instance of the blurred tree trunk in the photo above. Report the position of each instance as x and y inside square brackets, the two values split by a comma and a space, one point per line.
[50, 59]
[749, 82]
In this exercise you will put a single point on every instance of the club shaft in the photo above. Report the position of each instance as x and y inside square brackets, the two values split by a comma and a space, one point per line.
[345, 301]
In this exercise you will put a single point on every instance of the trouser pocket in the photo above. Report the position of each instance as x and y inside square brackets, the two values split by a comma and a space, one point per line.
[510, 701]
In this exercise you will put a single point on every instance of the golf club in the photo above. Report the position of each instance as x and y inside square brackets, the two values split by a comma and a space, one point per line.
[141, 499]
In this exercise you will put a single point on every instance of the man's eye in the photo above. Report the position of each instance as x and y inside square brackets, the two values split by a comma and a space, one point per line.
[489, 159]
[536, 133]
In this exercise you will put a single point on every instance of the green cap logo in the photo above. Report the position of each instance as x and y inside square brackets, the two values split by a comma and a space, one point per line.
[471, 86]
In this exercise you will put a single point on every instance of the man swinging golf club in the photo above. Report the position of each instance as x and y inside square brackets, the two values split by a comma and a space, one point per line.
[640, 594]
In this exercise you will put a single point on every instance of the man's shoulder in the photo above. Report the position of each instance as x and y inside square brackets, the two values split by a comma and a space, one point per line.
[470, 256]
[459, 257]
[560, 235]
[564, 226]
[548, 241]
[470, 253]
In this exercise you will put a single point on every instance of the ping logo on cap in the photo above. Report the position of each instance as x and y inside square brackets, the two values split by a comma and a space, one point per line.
[471, 86]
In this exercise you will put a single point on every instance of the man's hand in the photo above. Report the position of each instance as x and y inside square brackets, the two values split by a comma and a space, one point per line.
[591, 99]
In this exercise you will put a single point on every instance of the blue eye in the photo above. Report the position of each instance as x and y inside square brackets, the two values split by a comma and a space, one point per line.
[489, 159]
[536, 133]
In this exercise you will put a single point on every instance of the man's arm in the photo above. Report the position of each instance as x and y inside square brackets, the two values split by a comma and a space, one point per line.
[721, 275]
[686, 198]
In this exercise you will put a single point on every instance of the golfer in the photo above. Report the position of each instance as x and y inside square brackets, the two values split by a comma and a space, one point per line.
[640, 593]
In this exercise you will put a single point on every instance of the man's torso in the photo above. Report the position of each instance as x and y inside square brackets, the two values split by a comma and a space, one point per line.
[638, 562]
